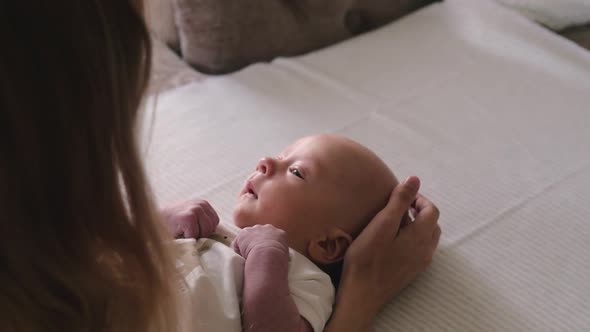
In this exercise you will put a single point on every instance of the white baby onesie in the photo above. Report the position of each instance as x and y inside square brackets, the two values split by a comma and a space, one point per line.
[214, 275]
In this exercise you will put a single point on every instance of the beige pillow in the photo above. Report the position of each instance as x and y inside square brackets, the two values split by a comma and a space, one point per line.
[219, 36]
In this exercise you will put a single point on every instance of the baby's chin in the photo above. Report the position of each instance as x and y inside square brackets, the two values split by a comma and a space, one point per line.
[241, 220]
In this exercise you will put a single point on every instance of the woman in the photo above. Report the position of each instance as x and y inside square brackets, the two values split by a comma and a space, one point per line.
[83, 248]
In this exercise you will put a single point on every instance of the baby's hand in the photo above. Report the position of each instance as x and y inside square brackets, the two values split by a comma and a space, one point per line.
[190, 219]
[260, 237]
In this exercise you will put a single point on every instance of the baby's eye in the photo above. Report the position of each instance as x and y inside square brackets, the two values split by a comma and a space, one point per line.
[295, 172]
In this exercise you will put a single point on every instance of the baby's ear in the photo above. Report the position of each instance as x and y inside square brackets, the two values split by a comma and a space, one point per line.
[329, 248]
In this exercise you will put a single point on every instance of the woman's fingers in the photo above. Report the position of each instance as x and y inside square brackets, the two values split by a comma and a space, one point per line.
[437, 232]
[436, 237]
[427, 214]
[431, 246]
[387, 221]
[423, 203]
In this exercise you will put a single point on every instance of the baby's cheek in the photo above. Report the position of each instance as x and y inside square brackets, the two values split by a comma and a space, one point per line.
[286, 216]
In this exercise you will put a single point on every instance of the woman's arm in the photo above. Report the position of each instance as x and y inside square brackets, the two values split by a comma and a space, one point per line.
[383, 254]
[348, 315]
[267, 304]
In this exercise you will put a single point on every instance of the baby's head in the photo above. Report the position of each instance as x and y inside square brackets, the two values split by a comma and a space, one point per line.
[322, 191]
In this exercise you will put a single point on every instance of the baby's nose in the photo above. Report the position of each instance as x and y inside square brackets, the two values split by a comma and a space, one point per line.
[266, 166]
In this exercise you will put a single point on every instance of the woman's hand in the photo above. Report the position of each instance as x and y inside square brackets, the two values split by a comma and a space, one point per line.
[384, 259]
[194, 218]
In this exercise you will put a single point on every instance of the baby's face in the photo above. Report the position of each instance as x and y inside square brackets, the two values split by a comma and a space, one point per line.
[312, 186]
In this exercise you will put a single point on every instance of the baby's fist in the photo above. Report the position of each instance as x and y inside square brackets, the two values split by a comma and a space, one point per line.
[193, 218]
[261, 237]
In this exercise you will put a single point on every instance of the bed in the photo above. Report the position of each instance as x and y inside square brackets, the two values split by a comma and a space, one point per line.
[489, 109]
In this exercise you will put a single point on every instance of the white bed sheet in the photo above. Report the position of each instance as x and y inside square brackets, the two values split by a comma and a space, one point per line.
[489, 109]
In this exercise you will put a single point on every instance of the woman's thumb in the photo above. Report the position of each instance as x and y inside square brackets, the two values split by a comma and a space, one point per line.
[388, 220]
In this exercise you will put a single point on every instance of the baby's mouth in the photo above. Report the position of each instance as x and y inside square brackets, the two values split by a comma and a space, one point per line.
[250, 190]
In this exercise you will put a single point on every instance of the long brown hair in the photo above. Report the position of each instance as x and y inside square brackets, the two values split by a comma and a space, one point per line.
[81, 247]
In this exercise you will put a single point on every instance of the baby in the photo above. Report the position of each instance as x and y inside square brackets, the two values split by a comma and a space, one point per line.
[298, 214]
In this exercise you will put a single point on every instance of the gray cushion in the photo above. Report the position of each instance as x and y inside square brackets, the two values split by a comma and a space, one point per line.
[219, 36]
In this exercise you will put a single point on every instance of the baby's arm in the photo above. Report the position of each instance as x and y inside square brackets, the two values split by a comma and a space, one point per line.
[267, 304]
[190, 219]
